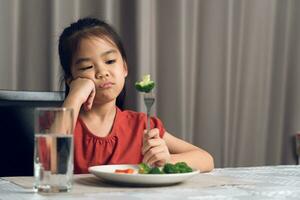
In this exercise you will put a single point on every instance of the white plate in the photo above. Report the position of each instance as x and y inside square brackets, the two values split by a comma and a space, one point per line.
[107, 173]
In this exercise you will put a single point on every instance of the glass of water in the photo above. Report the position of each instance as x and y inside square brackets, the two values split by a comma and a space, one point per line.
[298, 146]
[53, 149]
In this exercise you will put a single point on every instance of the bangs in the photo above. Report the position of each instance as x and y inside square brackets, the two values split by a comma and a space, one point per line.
[95, 32]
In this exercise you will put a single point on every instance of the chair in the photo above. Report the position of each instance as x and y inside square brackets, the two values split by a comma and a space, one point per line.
[17, 128]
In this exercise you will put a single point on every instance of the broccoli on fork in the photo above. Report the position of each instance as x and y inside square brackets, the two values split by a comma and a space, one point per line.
[146, 85]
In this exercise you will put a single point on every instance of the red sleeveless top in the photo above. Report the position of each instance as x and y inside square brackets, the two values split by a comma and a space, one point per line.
[121, 146]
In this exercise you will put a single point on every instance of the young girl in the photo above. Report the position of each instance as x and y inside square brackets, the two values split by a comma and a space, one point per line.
[95, 68]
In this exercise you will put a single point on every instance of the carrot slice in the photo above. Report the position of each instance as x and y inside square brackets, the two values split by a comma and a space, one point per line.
[124, 171]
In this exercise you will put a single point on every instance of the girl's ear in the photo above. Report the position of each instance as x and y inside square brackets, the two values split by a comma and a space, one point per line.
[68, 81]
[125, 69]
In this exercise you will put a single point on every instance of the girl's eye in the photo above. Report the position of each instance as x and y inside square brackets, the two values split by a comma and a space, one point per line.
[109, 62]
[85, 68]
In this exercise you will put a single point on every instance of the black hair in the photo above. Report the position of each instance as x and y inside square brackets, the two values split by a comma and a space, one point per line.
[83, 28]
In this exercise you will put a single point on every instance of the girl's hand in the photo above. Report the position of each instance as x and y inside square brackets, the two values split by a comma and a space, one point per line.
[83, 90]
[154, 149]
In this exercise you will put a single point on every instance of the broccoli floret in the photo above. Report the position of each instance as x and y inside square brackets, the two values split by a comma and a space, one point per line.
[170, 169]
[144, 168]
[183, 167]
[146, 85]
[180, 167]
[155, 170]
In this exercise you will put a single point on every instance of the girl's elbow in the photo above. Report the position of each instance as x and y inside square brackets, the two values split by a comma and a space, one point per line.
[209, 166]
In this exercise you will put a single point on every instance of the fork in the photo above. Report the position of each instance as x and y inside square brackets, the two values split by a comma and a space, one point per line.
[149, 101]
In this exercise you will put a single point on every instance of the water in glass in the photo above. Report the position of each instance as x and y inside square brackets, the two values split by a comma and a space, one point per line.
[53, 162]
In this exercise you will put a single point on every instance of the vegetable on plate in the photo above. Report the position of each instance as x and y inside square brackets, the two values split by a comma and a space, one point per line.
[124, 171]
[168, 168]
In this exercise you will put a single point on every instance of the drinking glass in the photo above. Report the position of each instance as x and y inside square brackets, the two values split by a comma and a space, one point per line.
[53, 149]
[298, 146]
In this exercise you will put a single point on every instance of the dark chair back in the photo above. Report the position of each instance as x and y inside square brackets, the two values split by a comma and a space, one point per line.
[17, 128]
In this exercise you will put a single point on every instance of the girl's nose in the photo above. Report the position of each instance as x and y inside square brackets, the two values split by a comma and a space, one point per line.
[100, 75]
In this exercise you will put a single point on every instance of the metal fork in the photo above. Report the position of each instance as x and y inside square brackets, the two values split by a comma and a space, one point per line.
[149, 101]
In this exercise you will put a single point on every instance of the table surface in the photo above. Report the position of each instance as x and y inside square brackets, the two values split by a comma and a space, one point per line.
[268, 182]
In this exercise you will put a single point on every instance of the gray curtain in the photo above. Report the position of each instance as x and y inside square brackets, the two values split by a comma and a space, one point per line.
[226, 71]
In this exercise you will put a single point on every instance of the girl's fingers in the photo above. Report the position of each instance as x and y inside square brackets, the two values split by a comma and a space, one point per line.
[89, 102]
[160, 163]
[154, 148]
[83, 90]
[85, 106]
[153, 133]
[151, 139]
[148, 144]
[158, 159]
[90, 99]
[153, 153]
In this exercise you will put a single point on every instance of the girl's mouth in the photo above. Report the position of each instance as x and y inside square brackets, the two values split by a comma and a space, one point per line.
[105, 85]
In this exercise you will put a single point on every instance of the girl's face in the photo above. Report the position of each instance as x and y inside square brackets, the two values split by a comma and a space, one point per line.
[100, 61]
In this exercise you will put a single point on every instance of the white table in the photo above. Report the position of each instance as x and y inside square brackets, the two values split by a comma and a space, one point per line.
[270, 182]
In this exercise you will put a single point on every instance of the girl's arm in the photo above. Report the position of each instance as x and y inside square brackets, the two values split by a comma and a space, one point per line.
[82, 92]
[170, 149]
[183, 151]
